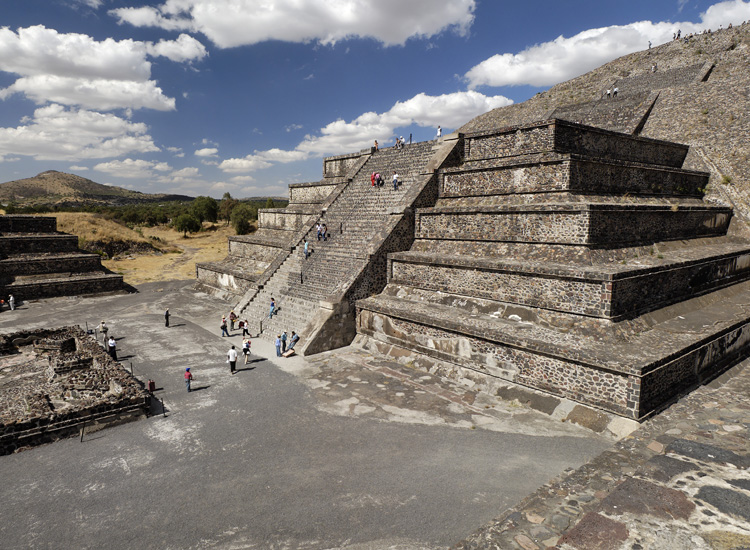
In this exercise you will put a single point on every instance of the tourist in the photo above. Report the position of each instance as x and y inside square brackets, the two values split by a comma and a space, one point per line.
[395, 181]
[379, 179]
[166, 317]
[609, 93]
[325, 232]
[307, 251]
[372, 179]
[245, 328]
[283, 342]
[224, 331]
[232, 319]
[188, 378]
[402, 140]
[11, 302]
[232, 359]
[398, 143]
[614, 92]
[376, 144]
[103, 328]
[112, 348]
[246, 349]
[294, 339]
[320, 230]
[277, 343]
[273, 308]
[439, 132]
[649, 44]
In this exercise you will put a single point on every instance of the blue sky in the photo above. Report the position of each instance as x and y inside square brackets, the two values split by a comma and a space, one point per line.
[202, 97]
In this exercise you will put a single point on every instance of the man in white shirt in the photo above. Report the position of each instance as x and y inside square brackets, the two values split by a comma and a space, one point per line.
[232, 357]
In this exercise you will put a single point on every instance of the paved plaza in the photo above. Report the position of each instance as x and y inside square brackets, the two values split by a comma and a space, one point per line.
[342, 451]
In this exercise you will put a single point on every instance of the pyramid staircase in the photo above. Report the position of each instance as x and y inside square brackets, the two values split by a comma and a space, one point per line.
[573, 260]
[36, 261]
[364, 223]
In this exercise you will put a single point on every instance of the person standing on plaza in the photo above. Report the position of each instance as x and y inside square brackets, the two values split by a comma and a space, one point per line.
[283, 342]
[278, 345]
[224, 331]
[166, 317]
[232, 319]
[112, 348]
[104, 329]
[246, 349]
[232, 359]
[293, 340]
[12, 302]
[245, 329]
[188, 378]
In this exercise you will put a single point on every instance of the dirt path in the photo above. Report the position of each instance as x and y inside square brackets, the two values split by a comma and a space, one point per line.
[208, 246]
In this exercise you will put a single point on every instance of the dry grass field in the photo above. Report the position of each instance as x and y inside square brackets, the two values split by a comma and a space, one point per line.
[174, 257]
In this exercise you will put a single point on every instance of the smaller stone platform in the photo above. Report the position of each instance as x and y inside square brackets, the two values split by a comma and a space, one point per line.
[54, 382]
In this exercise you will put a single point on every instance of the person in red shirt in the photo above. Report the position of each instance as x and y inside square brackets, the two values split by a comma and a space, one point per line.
[188, 378]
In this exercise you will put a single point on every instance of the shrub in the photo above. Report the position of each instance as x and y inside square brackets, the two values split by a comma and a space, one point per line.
[242, 215]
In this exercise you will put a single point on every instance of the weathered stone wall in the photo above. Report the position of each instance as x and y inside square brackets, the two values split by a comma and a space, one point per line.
[27, 224]
[573, 224]
[53, 264]
[339, 166]
[565, 137]
[28, 244]
[224, 279]
[310, 193]
[72, 286]
[281, 219]
[255, 251]
[577, 175]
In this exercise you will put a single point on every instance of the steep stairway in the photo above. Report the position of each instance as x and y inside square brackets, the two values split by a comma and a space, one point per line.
[358, 222]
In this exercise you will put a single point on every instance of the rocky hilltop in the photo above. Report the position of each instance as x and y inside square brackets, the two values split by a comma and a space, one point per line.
[54, 187]
[694, 91]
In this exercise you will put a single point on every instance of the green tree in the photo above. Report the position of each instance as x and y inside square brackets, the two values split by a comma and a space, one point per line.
[269, 203]
[206, 209]
[242, 215]
[187, 223]
[226, 206]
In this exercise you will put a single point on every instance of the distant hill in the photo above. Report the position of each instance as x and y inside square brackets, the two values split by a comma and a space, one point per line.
[54, 187]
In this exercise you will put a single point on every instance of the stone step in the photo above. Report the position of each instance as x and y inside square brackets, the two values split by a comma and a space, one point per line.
[91, 283]
[561, 136]
[30, 243]
[612, 291]
[39, 264]
[573, 223]
[628, 372]
[561, 172]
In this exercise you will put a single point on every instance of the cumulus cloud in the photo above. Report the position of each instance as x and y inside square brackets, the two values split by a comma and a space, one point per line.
[131, 168]
[448, 110]
[565, 58]
[230, 23]
[75, 69]
[56, 133]
[207, 152]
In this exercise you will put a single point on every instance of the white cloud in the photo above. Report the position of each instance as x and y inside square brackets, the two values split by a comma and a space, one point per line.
[55, 133]
[207, 152]
[76, 69]
[293, 127]
[131, 168]
[565, 58]
[185, 48]
[99, 94]
[75, 168]
[448, 110]
[230, 23]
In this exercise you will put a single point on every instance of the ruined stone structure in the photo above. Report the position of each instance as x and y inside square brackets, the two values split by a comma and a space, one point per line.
[54, 381]
[36, 261]
[566, 255]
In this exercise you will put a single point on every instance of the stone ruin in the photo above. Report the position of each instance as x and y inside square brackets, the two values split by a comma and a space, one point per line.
[55, 382]
[37, 261]
[569, 259]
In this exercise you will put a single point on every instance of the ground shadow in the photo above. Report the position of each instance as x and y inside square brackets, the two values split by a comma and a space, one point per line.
[156, 406]
[177, 325]
[246, 368]
[199, 388]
